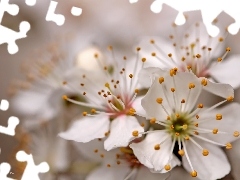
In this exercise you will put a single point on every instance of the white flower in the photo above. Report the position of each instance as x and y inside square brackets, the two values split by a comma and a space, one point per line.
[121, 164]
[191, 49]
[39, 99]
[198, 131]
[112, 95]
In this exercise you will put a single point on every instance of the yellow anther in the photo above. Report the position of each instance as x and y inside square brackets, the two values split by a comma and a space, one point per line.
[108, 165]
[230, 98]
[218, 116]
[172, 72]
[84, 113]
[228, 146]
[157, 147]
[144, 59]
[215, 131]
[196, 133]
[135, 133]
[205, 152]
[200, 105]
[191, 85]
[110, 48]
[183, 101]
[107, 85]
[159, 100]
[177, 134]
[197, 116]
[93, 111]
[161, 80]
[168, 118]
[192, 45]
[131, 75]
[186, 137]
[152, 41]
[172, 126]
[175, 69]
[167, 167]
[183, 58]
[169, 55]
[65, 97]
[181, 152]
[194, 173]
[209, 49]
[196, 124]
[185, 126]
[96, 55]
[219, 59]
[228, 49]
[173, 89]
[198, 56]
[221, 39]
[136, 91]
[236, 134]
[204, 82]
[131, 112]
[153, 54]
[177, 115]
[138, 48]
[189, 67]
[64, 82]
[96, 150]
[153, 120]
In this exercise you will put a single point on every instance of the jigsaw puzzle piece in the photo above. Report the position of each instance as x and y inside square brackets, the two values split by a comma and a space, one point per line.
[4, 170]
[51, 16]
[31, 171]
[11, 36]
[4, 105]
[12, 123]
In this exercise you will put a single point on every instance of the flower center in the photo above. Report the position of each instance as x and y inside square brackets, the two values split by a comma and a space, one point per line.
[179, 125]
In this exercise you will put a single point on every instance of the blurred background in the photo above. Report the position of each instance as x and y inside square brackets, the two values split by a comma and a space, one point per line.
[102, 23]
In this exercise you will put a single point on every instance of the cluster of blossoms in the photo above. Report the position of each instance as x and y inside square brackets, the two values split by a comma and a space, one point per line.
[142, 116]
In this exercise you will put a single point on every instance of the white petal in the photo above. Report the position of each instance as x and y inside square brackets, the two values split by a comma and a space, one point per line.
[147, 75]
[121, 132]
[138, 106]
[234, 158]
[88, 150]
[31, 102]
[181, 85]
[87, 129]
[227, 71]
[222, 90]
[211, 167]
[229, 123]
[109, 173]
[155, 159]
[144, 172]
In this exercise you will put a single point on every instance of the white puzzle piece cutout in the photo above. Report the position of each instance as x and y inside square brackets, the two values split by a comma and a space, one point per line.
[59, 19]
[209, 10]
[12, 121]
[4, 171]
[31, 171]
[7, 35]
[76, 11]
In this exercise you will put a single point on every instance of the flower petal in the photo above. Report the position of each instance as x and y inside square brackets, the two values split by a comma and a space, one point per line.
[155, 159]
[144, 172]
[109, 173]
[121, 132]
[234, 158]
[222, 90]
[229, 123]
[147, 75]
[138, 106]
[211, 167]
[87, 129]
[227, 71]
[171, 100]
